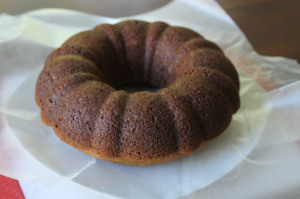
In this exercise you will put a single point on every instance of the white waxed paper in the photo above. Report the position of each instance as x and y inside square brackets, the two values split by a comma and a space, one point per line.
[251, 146]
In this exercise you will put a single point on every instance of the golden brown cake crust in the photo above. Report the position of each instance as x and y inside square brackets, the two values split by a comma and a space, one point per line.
[79, 97]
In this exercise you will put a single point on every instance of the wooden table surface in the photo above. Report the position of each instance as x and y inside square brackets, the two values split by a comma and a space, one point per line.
[272, 26]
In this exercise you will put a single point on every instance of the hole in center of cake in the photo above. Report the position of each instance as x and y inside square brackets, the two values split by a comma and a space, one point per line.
[139, 88]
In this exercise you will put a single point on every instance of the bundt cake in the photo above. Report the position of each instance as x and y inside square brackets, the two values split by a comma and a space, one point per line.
[79, 94]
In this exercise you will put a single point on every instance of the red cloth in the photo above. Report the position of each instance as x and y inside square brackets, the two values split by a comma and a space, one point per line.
[10, 189]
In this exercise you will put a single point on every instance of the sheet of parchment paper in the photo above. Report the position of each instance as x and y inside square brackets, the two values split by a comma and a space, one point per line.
[253, 143]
